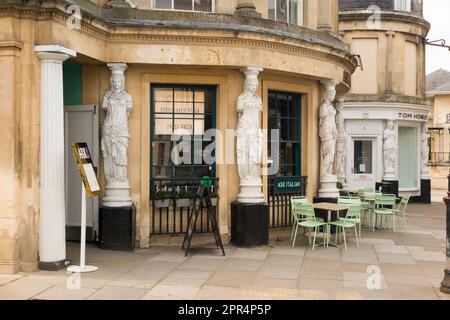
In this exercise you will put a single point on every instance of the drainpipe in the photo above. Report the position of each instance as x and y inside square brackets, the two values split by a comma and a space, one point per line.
[445, 285]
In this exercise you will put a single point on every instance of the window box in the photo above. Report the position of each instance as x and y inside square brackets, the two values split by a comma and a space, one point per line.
[162, 203]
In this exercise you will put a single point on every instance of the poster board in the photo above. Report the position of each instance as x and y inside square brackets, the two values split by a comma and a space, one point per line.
[86, 167]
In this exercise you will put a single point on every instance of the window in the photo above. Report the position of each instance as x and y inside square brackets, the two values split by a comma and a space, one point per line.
[285, 115]
[184, 5]
[290, 11]
[402, 5]
[408, 158]
[363, 161]
[175, 108]
[448, 118]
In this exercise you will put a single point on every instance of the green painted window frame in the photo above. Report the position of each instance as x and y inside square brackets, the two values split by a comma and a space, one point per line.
[154, 138]
[289, 118]
[72, 83]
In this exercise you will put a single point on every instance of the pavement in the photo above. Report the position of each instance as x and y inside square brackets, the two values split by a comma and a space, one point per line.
[405, 265]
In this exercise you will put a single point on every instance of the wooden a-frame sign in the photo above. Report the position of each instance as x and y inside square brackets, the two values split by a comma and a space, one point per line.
[203, 194]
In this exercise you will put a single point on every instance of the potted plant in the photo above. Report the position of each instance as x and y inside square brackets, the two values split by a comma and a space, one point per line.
[161, 198]
[183, 198]
[214, 198]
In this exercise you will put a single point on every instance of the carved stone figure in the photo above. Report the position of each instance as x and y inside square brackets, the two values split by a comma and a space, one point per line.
[250, 139]
[425, 152]
[389, 151]
[341, 143]
[328, 130]
[328, 139]
[115, 138]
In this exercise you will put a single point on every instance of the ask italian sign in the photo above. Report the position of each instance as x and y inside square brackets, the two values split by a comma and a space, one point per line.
[288, 184]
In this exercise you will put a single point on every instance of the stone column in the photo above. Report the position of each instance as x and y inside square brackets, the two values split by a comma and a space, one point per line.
[52, 224]
[324, 21]
[445, 285]
[247, 8]
[328, 140]
[341, 144]
[250, 139]
[389, 62]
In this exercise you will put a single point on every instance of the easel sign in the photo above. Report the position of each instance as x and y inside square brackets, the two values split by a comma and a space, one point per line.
[86, 167]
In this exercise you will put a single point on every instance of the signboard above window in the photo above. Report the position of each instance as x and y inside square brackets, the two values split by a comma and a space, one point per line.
[184, 5]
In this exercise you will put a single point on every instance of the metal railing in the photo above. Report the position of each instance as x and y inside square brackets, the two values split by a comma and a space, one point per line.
[174, 220]
[280, 202]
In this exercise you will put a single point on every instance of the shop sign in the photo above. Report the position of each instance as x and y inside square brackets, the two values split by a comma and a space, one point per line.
[288, 184]
[412, 116]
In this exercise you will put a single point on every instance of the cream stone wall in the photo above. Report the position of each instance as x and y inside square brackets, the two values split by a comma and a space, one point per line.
[154, 55]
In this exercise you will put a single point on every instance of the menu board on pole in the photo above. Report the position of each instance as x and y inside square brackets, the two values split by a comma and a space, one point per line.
[86, 168]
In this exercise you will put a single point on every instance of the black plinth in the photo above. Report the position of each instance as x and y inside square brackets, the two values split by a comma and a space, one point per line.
[249, 224]
[117, 228]
[390, 187]
[425, 191]
[54, 266]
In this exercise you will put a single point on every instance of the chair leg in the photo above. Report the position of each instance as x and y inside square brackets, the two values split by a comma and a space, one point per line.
[337, 236]
[315, 235]
[345, 240]
[295, 236]
[293, 230]
[393, 219]
[356, 234]
[404, 221]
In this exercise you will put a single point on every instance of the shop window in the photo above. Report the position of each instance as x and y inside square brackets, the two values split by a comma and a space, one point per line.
[408, 154]
[187, 111]
[363, 157]
[184, 5]
[402, 5]
[290, 11]
[284, 114]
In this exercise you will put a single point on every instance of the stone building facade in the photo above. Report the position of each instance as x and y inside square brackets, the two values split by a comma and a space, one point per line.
[182, 65]
[386, 110]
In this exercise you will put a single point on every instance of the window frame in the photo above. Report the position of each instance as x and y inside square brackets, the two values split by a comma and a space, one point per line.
[213, 7]
[403, 5]
[288, 14]
[213, 113]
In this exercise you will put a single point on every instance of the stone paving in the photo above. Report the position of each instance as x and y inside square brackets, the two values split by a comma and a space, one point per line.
[411, 263]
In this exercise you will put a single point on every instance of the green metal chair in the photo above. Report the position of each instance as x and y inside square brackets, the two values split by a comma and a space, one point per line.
[368, 210]
[354, 214]
[384, 207]
[305, 216]
[401, 209]
[295, 203]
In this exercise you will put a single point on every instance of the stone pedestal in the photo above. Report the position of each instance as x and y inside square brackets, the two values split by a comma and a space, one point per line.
[117, 195]
[249, 224]
[52, 223]
[251, 191]
[117, 228]
[328, 187]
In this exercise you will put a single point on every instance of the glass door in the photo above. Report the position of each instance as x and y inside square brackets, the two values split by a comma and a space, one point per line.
[362, 165]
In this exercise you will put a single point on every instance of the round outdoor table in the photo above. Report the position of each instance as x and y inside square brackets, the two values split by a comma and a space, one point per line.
[331, 208]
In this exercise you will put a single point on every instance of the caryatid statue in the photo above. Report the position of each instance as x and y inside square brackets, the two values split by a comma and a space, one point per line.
[341, 143]
[115, 139]
[328, 138]
[250, 139]
[425, 174]
[389, 151]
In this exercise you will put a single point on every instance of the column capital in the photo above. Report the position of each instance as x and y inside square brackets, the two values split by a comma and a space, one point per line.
[58, 51]
[251, 71]
[117, 68]
[329, 84]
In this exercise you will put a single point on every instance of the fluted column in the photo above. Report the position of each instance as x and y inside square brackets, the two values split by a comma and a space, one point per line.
[52, 236]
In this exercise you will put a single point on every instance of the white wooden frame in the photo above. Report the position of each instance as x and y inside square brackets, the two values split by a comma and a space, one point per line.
[213, 7]
[300, 10]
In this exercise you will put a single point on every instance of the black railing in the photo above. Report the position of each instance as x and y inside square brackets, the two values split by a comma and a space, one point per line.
[440, 158]
[280, 199]
[173, 220]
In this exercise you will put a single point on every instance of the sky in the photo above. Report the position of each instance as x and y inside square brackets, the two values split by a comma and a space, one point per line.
[437, 12]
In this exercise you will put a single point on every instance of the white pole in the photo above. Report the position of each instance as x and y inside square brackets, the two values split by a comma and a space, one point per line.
[82, 268]
[83, 228]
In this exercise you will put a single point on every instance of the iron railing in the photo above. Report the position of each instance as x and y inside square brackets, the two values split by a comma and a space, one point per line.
[173, 220]
[280, 202]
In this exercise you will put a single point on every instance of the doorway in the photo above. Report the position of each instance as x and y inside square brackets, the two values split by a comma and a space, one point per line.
[81, 124]
[363, 168]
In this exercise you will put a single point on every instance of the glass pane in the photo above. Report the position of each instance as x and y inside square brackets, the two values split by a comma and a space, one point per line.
[163, 94]
[163, 4]
[184, 95]
[183, 171]
[284, 129]
[282, 101]
[293, 11]
[184, 124]
[271, 9]
[408, 150]
[282, 10]
[162, 151]
[184, 107]
[183, 4]
[163, 107]
[200, 172]
[199, 125]
[203, 5]
[363, 157]
[163, 124]
[293, 130]
[162, 172]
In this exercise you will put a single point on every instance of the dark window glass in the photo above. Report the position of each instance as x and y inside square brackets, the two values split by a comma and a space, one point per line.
[363, 157]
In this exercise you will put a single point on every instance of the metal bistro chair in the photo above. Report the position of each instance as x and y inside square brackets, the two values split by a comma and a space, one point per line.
[367, 208]
[354, 214]
[296, 214]
[305, 216]
[384, 207]
[401, 209]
